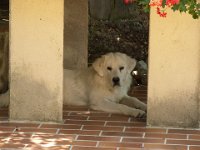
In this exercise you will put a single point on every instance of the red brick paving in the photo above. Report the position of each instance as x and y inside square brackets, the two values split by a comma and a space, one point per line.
[84, 129]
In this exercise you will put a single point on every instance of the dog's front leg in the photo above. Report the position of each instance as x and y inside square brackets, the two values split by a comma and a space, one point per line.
[133, 102]
[112, 107]
[4, 99]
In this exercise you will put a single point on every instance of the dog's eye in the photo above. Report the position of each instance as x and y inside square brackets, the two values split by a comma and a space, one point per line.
[121, 68]
[109, 68]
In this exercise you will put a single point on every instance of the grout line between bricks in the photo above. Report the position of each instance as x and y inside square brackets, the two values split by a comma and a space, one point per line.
[165, 141]
[105, 123]
[75, 139]
[97, 145]
[15, 129]
[124, 129]
[69, 113]
[143, 136]
[187, 137]
[121, 139]
[39, 125]
[188, 147]
[180, 144]
[32, 135]
[25, 145]
[58, 130]
[182, 139]
[167, 130]
[129, 119]
[142, 145]
[100, 134]
[81, 127]
[70, 148]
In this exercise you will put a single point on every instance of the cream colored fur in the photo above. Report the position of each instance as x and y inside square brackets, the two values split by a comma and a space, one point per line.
[94, 86]
[4, 99]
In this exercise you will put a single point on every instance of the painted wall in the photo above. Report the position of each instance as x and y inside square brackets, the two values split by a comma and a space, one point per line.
[75, 33]
[174, 70]
[4, 62]
[36, 60]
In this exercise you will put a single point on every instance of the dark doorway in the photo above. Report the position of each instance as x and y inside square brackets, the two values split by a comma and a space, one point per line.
[117, 27]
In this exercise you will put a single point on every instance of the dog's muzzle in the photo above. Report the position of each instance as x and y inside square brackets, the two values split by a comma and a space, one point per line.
[116, 81]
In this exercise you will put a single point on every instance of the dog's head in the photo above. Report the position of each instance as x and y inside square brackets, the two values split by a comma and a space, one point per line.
[114, 67]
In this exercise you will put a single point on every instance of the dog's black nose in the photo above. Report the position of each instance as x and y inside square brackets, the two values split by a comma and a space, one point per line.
[115, 80]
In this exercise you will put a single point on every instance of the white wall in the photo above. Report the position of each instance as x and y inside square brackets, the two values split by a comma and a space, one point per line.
[174, 70]
[36, 59]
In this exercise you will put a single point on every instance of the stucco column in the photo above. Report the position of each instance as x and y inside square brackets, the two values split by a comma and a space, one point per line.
[75, 34]
[174, 70]
[36, 60]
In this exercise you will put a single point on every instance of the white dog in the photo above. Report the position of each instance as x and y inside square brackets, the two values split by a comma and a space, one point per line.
[103, 86]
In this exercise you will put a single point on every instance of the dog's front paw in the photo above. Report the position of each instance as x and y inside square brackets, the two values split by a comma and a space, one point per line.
[4, 100]
[139, 113]
[4, 103]
[143, 107]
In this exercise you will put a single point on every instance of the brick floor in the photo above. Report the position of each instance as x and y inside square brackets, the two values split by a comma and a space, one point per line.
[85, 129]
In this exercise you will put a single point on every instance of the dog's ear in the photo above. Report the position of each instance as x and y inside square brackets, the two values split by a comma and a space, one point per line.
[98, 66]
[131, 64]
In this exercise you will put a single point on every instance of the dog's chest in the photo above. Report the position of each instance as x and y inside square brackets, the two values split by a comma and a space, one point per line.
[116, 95]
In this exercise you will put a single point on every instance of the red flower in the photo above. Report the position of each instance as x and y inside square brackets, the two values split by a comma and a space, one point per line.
[161, 13]
[158, 4]
[128, 1]
[155, 3]
[172, 2]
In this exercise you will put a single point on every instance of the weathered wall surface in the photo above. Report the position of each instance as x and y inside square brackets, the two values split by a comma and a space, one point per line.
[100, 9]
[4, 52]
[36, 60]
[75, 33]
[174, 70]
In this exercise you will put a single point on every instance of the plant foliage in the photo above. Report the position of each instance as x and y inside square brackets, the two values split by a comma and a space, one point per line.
[191, 7]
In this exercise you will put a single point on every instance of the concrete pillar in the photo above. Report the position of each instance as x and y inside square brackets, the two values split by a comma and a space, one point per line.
[199, 100]
[174, 70]
[199, 105]
[4, 62]
[76, 34]
[100, 9]
[36, 60]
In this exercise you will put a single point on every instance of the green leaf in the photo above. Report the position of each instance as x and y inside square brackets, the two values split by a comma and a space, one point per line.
[163, 3]
[190, 6]
[198, 6]
[175, 7]
[146, 9]
[195, 16]
[182, 8]
[191, 11]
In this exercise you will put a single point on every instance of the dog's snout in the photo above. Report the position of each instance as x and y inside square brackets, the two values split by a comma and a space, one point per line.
[115, 80]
